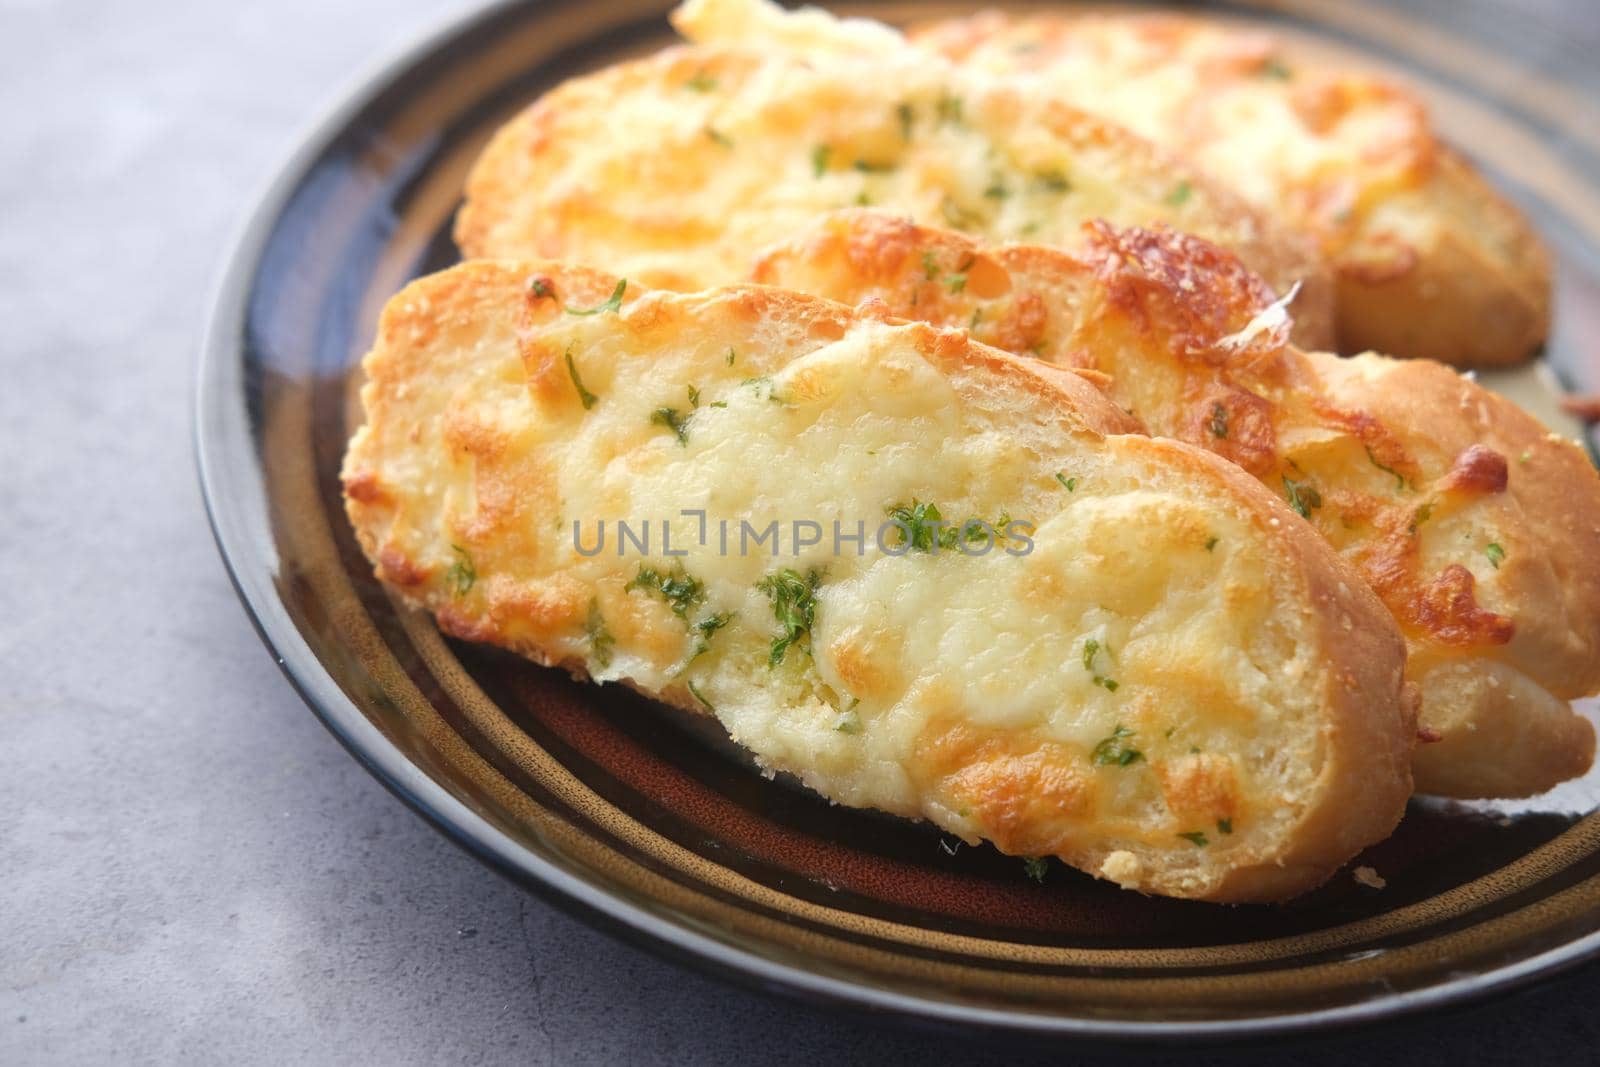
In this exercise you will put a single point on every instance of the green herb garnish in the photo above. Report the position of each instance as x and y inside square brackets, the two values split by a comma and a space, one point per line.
[540, 288]
[732, 355]
[1302, 496]
[848, 722]
[794, 605]
[707, 628]
[819, 160]
[1399, 481]
[701, 83]
[1036, 867]
[613, 302]
[1423, 513]
[462, 574]
[958, 280]
[1225, 826]
[1274, 68]
[1091, 648]
[1495, 554]
[1195, 837]
[920, 525]
[997, 190]
[1053, 180]
[906, 116]
[1211, 543]
[1070, 483]
[700, 697]
[1180, 194]
[674, 420]
[600, 640]
[764, 388]
[930, 266]
[677, 588]
[587, 398]
[1115, 750]
[718, 137]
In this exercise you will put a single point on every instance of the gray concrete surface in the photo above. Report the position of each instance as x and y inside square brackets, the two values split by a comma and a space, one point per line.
[191, 870]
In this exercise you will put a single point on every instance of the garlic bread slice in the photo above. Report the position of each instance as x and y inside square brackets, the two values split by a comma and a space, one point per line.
[1478, 528]
[1146, 666]
[1428, 258]
[673, 170]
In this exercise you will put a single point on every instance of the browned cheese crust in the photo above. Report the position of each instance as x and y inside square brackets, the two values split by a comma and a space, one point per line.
[1260, 681]
[1478, 528]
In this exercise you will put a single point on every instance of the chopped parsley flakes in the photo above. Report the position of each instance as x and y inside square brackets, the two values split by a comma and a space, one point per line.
[1211, 543]
[707, 628]
[794, 605]
[1196, 838]
[701, 83]
[700, 697]
[1091, 648]
[1054, 181]
[1275, 68]
[674, 420]
[462, 574]
[819, 160]
[587, 398]
[1114, 751]
[1180, 194]
[1070, 483]
[1495, 554]
[1302, 496]
[1036, 867]
[600, 640]
[906, 116]
[677, 588]
[613, 303]
[1399, 481]
[765, 388]
[922, 526]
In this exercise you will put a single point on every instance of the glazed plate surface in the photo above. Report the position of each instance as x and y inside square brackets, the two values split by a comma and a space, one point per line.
[653, 825]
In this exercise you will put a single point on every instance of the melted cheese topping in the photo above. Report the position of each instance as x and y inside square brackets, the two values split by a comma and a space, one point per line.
[1141, 671]
[1162, 319]
[1324, 148]
[675, 170]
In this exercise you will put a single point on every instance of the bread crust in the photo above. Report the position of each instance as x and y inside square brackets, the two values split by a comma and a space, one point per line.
[1429, 259]
[1418, 470]
[461, 458]
[714, 151]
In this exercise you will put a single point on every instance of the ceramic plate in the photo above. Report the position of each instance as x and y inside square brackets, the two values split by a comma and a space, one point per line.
[654, 826]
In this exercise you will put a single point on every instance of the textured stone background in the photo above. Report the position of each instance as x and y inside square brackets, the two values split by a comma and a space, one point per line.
[191, 870]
